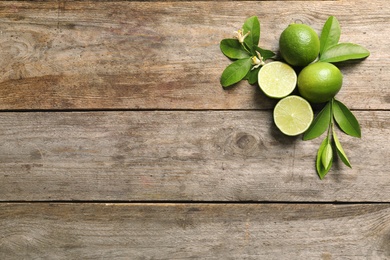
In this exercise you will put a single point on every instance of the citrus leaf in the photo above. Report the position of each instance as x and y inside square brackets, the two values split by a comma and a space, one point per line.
[345, 119]
[233, 49]
[343, 52]
[340, 151]
[266, 54]
[321, 170]
[252, 75]
[327, 155]
[252, 25]
[330, 34]
[235, 72]
[319, 124]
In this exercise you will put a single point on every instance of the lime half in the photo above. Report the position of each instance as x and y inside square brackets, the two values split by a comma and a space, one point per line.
[293, 115]
[277, 79]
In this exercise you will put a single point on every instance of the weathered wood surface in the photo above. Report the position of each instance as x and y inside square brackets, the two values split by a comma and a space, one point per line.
[182, 155]
[202, 144]
[196, 231]
[164, 55]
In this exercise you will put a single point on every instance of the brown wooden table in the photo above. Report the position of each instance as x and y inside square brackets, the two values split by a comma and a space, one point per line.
[117, 140]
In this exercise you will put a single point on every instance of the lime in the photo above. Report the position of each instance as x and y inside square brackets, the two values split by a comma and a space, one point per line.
[277, 79]
[319, 82]
[293, 115]
[299, 45]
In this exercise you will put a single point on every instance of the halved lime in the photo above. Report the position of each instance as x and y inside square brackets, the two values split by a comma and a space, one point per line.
[277, 79]
[293, 115]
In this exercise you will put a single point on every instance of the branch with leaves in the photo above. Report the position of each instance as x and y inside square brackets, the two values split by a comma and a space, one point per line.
[333, 111]
[248, 57]
[332, 51]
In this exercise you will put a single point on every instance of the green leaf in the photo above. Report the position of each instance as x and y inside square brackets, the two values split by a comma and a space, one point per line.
[252, 25]
[233, 49]
[321, 170]
[327, 155]
[252, 75]
[340, 151]
[235, 72]
[330, 34]
[319, 124]
[266, 54]
[345, 119]
[343, 52]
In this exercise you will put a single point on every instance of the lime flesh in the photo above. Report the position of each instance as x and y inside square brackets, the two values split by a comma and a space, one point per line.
[277, 79]
[293, 115]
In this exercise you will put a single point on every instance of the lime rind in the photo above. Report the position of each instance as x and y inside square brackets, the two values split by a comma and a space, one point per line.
[319, 82]
[277, 79]
[299, 45]
[293, 115]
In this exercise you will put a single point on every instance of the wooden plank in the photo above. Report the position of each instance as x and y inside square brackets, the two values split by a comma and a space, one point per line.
[163, 55]
[196, 231]
[182, 156]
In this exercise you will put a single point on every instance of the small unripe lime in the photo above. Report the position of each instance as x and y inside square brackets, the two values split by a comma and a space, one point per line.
[299, 45]
[319, 82]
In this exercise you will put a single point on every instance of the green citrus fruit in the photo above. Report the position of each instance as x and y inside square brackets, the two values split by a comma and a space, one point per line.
[277, 79]
[319, 82]
[293, 115]
[299, 45]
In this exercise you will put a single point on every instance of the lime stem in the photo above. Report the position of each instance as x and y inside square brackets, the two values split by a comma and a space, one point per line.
[246, 47]
[331, 122]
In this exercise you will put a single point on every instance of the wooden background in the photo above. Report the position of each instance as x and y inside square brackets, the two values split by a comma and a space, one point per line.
[118, 142]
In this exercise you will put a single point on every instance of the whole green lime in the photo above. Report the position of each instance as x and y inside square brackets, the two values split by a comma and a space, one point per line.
[299, 45]
[319, 82]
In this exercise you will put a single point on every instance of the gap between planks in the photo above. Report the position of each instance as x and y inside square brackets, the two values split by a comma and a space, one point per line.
[178, 202]
[316, 108]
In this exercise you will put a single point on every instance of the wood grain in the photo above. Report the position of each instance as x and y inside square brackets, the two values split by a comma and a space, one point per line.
[165, 55]
[196, 231]
[158, 128]
[182, 156]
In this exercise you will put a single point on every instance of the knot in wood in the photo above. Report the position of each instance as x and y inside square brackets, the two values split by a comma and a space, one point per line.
[245, 141]
[242, 144]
